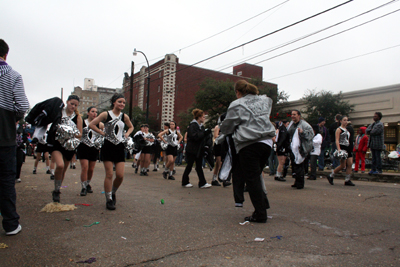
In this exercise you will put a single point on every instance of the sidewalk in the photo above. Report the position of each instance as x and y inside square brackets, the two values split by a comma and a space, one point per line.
[386, 177]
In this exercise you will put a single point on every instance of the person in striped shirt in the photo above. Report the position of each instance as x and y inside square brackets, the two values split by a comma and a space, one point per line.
[13, 105]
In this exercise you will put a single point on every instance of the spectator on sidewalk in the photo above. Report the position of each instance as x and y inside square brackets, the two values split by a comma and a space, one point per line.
[273, 159]
[317, 141]
[301, 133]
[360, 149]
[376, 142]
[13, 105]
[325, 142]
[282, 149]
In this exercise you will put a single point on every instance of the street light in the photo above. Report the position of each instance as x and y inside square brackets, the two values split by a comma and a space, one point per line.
[148, 83]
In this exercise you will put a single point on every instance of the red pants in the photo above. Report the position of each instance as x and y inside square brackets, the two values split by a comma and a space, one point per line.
[360, 156]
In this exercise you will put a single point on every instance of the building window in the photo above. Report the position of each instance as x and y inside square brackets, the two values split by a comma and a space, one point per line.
[158, 115]
[136, 97]
[239, 73]
[158, 88]
[158, 102]
[390, 132]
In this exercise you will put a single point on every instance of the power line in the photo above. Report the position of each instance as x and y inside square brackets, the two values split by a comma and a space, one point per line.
[303, 37]
[240, 23]
[231, 27]
[317, 41]
[256, 39]
[335, 62]
[271, 33]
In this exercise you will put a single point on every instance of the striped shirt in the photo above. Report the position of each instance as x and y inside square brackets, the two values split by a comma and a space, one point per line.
[13, 103]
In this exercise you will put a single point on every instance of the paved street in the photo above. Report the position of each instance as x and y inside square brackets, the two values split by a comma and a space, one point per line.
[322, 225]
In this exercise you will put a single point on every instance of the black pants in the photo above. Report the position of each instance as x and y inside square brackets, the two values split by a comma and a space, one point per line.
[313, 166]
[238, 182]
[8, 196]
[299, 170]
[252, 160]
[190, 159]
[20, 160]
[306, 163]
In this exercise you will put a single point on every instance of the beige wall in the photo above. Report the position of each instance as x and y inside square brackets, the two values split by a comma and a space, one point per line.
[385, 99]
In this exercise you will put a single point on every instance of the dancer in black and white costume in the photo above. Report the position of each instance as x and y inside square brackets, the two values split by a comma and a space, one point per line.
[88, 152]
[59, 154]
[41, 147]
[113, 149]
[145, 154]
[170, 136]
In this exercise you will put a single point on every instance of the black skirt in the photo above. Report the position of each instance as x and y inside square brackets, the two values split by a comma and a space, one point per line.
[67, 154]
[147, 150]
[113, 153]
[348, 149]
[87, 152]
[217, 150]
[172, 150]
[40, 148]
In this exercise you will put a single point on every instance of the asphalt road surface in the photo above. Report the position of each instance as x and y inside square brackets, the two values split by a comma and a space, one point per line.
[321, 225]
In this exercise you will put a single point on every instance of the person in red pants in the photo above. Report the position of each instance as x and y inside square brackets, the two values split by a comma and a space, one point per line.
[360, 148]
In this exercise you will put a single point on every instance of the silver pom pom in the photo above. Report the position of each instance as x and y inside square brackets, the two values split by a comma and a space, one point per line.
[163, 145]
[71, 144]
[342, 154]
[67, 131]
[129, 144]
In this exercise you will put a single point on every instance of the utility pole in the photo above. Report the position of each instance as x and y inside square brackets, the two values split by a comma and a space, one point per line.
[131, 89]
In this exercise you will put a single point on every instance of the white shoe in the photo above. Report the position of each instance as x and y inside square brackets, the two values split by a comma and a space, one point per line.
[16, 231]
[18, 180]
[188, 185]
[207, 185]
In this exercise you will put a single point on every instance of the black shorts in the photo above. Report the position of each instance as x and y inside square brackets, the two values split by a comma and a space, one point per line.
[146, 150]
[172, 150]
[40, 148]
[217, 150]
[67, 154]
[87, 152]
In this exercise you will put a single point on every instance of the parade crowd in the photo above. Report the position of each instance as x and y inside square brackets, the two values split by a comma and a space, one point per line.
[237, 150]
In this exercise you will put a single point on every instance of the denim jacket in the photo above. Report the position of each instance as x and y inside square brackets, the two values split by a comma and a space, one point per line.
[248, 120]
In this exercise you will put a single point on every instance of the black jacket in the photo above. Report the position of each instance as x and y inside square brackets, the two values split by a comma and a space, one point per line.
[195, 138]
[332, 131]
[45, 112]
[283, 143]
[326, 140]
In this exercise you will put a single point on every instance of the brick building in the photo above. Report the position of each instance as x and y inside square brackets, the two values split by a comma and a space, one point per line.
[173, 86]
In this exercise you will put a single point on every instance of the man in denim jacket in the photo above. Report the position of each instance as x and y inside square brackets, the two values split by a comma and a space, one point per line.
[376, 143]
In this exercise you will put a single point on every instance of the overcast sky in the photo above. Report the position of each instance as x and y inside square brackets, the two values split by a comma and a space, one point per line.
[56, 44]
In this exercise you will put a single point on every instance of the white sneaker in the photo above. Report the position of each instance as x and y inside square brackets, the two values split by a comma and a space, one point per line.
[207, 185]
[188, 185]
[16, 231]
[18, 180]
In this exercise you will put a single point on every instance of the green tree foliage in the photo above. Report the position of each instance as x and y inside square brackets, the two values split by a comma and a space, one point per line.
[325, 104]
[216, 96]
[279, 98]
[185, 119]
[139, 118]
